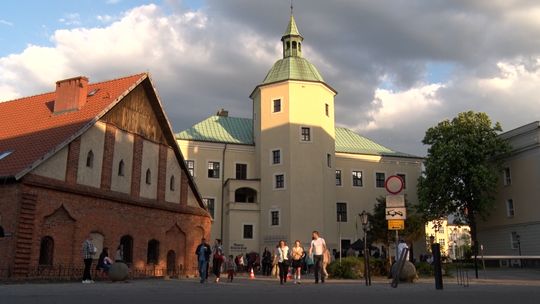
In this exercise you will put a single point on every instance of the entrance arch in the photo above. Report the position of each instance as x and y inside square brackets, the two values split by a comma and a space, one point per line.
[171, 264]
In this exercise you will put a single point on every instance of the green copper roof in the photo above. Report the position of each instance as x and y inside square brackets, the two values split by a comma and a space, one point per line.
[295, 68]
[292, 29]
[233, 130]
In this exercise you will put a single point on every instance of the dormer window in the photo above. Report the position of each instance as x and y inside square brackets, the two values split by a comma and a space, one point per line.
[5, 154]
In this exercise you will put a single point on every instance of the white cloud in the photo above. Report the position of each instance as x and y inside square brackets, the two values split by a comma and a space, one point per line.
[71, 19]
[5, 22]
[113, 1]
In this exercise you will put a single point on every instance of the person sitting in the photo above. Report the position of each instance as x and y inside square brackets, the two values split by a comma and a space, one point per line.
[104, 262]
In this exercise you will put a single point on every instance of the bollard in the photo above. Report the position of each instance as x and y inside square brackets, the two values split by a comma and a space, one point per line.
[436, 251]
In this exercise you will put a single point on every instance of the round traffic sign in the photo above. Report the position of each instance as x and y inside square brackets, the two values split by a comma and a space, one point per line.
[394, 184]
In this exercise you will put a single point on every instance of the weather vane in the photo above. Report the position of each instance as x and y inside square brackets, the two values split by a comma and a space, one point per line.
[292, 7]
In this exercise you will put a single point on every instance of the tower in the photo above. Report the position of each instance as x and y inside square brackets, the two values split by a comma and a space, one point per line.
[293, 121]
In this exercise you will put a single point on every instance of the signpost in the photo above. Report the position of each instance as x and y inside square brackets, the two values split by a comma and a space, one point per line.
[396, 213]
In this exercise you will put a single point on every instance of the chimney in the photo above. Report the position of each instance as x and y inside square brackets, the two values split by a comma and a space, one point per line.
[70, 94]
[223, 113]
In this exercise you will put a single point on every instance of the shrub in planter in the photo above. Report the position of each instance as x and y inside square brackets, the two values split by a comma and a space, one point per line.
[349, 268]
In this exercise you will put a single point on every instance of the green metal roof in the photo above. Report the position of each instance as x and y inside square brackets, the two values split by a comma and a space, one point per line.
[295, 68]
[292, 29]
[234, 130]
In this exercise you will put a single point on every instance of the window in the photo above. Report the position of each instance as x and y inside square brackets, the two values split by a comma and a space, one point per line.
[213, 169]
[241, 171]
[46, 251]
[280, 181]
[274, 218]
[341, 209]
[510, 208]
[276, 105]
[338, 177]
[276, 157]
[514, 240]
[4, 154]
[440, 229]
[329, 160]
[248, 232]
[126, 248]
[507, 177]
[245, 195]
[442, 242]
[90, 159]
[190, 164]
[210, 204]
[152, 254]
[148, 177]
[121, 168]
[305, 134]
[357, 178]
[172, 183]
[380, 178]
[326, 109]
[404, 179]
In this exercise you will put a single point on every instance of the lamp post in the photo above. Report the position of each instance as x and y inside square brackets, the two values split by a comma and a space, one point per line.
[365, 221]
[518, 239]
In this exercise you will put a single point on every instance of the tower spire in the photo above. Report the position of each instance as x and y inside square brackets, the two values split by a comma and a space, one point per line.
[292, 40]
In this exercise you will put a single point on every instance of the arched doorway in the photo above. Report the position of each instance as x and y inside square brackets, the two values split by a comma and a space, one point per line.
[245, 195]
[126, 244]
[171, 264]
[46, 251]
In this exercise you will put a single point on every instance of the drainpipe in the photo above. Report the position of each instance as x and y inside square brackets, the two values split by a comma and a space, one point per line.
[223, 190]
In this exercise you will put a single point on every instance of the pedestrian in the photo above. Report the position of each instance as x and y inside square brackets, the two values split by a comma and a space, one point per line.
[297, 255]
[266, 262]
[203, 253]
[88, 251]
[218, 259]
[104, 262]
[230, 266]
[309, 263]
[282, 253]
[317, 248]
[327, 259]
[401, 247]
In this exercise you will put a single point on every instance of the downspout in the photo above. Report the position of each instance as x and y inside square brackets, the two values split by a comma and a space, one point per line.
[223, 191]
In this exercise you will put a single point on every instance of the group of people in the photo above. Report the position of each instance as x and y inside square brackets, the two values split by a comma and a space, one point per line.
[278, 263]
[104, 262]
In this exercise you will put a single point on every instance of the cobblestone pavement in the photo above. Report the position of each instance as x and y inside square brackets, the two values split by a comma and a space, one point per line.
[492, 287]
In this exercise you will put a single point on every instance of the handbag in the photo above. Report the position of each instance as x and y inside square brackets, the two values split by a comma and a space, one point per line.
[275, 270]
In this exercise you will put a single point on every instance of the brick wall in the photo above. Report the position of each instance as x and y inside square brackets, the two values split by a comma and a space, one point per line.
[136, 171]
[9, 197]
[162, 183]
[108, 155]
[74, 150]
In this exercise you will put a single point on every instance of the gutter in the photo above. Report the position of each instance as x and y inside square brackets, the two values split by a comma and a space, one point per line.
[222, 191]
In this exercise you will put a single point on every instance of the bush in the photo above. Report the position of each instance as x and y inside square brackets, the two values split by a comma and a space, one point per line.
[427, 270]
[349, 268]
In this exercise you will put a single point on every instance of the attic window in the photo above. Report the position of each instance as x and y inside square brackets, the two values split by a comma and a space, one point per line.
[4, 154]
[93, 92]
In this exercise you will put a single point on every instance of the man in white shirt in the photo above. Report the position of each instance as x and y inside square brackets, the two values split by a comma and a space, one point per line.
[318, 246]
[400, 248]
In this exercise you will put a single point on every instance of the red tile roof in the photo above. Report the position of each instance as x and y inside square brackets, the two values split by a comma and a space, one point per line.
[30, 129]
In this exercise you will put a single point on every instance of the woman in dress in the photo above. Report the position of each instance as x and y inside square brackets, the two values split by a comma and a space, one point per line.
[297, 255]
[218, 259]
[282, 253]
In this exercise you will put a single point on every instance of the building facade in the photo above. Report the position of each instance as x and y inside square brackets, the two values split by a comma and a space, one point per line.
[289, 170]
[454, 239]
[513, 226]
[96, 159]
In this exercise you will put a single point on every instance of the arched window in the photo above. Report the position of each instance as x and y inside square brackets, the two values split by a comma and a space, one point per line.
[148, 177]
[245, 195]
[172, 183]
[299, 46]
[126, 247]
[152, 256]
[288, 45]
[46, 251]
[294, 45]
[121, 168]
[90, 159]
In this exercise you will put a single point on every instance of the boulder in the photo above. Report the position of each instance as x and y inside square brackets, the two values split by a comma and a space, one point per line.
[119, 272]
[408, 273]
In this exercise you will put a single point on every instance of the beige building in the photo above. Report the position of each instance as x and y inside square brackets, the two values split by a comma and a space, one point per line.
[289, 170]
[513, 227]
[453, 238]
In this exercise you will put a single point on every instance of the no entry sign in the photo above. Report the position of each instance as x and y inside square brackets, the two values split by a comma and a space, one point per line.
[394, 184]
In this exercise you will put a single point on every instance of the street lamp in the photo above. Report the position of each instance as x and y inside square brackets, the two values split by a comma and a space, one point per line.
[518, 239]
[364, 219]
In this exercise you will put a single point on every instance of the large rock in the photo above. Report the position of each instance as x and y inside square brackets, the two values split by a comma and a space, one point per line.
[408, 273]
[119, 272]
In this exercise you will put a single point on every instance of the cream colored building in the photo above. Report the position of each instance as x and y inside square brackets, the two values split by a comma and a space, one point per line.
[452, 237]
[514, 222]
[289, 170]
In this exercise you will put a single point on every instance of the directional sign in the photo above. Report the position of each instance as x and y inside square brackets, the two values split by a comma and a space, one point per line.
[396, 213]
[395, 201]
[396, 224]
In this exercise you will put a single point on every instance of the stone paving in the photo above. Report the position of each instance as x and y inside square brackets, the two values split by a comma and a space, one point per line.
[501, 286]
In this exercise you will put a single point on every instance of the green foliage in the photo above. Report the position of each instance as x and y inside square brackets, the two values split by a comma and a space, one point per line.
[462, 168]
[353, 268]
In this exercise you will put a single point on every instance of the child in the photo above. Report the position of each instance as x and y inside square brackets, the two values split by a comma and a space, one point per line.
[231, 268]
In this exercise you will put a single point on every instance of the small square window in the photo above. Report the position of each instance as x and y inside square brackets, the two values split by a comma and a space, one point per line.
[380, 179]
[510, 208]
[213, 169]
[305, 134]
[210, 204]
[276, 105]
[276, 157]
[507, 177]
[241, 171]
[190, 164]
[338, 177]
[280, 181]
[341, 209]
[357, 178]
[248, 232]
[274, 218]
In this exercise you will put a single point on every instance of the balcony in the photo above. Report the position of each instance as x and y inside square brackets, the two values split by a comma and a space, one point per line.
[242, 194]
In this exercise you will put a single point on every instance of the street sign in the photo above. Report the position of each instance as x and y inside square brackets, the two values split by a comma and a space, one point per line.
[395, 201]
[394, 184]
[396, 213]
[396, 224]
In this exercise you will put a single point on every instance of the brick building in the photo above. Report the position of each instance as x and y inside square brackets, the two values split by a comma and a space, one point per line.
[95, 158]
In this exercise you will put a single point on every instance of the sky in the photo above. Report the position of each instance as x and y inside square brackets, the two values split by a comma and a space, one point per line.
[399, 66]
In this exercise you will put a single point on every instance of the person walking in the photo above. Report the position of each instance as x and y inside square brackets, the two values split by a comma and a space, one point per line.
[317, 248]
[203, 253]
[282, 253]
[230, 266]
[297, 255]
[88, 251]
[266, 262]
[218, 259]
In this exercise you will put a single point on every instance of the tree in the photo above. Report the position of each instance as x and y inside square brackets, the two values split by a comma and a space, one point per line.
[461, 170]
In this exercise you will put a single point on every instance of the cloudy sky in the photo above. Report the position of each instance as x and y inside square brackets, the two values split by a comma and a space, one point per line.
[399, 66]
